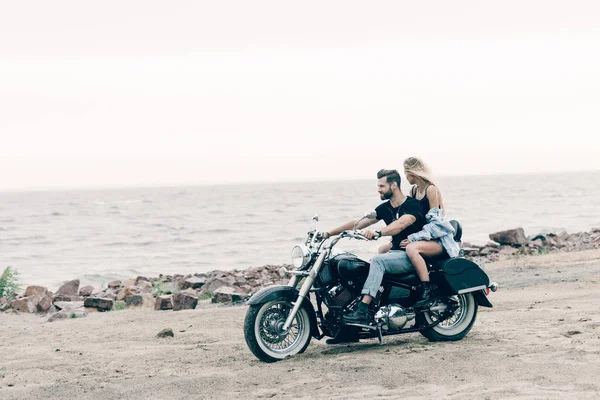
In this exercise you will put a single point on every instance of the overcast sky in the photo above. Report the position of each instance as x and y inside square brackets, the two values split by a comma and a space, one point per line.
[126, 93]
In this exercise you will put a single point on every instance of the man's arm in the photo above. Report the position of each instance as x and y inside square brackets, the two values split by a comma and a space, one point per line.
[350, 225]
[398, 225]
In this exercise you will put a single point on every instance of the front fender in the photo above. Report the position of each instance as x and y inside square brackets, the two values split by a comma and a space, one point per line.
[290, 294]
[273, 292]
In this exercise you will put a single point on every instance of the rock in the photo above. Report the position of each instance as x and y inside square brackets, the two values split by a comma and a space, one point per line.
[193, 283]
[114, 284]
[511, 237]
[101, 304]
[563, 235]
[168, 332]
[39, 291]
[66, 297]
[86, 291]
[135, 300]
[184, 301]
[26, 304]
[57, 316]
[213, 284]
[129, 283]
[70, 288]
[68, 305]
[226, 295]
[164, 287]
[66, 315]
[45, 304]
[163, 302]
[141, 279]
[108, 294]
[144, 287]
[127, 291]
[485, 251]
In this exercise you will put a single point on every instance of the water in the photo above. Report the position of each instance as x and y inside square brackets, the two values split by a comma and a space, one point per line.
[100, 235]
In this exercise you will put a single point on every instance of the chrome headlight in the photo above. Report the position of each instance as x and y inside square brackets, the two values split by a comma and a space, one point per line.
[300, 256]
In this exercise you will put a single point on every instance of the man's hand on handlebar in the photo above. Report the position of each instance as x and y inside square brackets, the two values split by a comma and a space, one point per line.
[371, 235]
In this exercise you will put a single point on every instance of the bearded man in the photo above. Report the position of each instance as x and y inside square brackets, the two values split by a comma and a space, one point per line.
[403, 216]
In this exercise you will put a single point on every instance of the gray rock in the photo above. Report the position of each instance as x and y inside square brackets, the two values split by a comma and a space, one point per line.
[70, 288]
[114, 284]
[163, 302]
[168, 332]
[86, 291]
[66, 315]
[135, 300]
[66, 297]
[99, 303]
[511, 237]
[184, 301]
[57, 316]
[193, 283]
[68, 305]
[226, 295]
[213, 284]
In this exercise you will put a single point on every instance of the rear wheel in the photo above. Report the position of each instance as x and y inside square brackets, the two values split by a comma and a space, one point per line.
[457, 325]
[263, 330]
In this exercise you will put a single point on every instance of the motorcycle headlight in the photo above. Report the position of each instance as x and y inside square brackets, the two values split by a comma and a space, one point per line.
[300, 256]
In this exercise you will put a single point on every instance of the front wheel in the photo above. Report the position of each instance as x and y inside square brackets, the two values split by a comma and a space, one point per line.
[265, 336]
[457, 325]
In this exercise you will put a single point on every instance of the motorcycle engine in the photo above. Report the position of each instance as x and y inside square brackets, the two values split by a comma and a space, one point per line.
[338, 296]
[394, 317]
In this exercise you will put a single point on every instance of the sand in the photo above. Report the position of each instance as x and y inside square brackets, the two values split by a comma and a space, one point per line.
[541, 340]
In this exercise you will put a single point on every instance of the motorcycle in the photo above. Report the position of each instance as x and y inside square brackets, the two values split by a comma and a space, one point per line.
[282, 319]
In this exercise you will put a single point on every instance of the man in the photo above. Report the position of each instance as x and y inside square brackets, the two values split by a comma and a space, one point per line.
[403, 216]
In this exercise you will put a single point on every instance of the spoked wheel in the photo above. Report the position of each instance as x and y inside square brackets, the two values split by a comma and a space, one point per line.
[457, 325]
[263, 329]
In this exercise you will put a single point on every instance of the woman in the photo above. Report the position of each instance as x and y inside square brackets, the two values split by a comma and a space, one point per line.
[428, 242]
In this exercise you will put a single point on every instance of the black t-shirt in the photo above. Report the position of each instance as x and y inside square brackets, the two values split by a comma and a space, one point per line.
[389, 214]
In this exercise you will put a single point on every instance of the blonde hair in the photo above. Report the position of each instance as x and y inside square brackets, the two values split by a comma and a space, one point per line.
[417, 167]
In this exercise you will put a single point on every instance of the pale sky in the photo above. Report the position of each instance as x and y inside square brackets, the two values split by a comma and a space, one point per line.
[128, 93]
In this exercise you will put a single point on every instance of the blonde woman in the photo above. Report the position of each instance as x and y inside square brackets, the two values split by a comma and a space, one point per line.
[435, 237]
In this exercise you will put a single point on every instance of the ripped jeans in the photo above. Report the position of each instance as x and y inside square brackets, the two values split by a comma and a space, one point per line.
[393, 262]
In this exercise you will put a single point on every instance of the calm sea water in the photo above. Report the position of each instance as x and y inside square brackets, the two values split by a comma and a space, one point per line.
[100, 235]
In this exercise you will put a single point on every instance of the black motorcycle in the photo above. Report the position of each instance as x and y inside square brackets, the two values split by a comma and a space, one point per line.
[282, 319]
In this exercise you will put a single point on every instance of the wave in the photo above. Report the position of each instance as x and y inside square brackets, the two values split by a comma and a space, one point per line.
[219, 230]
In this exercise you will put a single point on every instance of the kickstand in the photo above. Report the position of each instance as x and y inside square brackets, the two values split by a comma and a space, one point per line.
[380, 335]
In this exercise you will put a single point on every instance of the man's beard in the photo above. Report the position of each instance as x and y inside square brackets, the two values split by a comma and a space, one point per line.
[387, 195]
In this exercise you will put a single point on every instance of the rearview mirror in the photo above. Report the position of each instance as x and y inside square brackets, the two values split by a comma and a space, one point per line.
[371, 214]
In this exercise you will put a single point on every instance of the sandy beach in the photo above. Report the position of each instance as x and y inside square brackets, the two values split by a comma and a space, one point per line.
[541, 340]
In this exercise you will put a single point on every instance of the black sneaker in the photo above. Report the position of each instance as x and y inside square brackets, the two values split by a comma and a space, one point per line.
[360, 316]
[426, 296]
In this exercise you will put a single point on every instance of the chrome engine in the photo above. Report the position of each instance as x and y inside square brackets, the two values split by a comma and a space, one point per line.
[394, 317]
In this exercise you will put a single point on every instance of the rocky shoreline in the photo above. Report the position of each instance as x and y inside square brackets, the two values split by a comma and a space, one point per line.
[179, 292]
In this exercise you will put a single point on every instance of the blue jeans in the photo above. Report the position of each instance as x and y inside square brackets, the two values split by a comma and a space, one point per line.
[393, 262]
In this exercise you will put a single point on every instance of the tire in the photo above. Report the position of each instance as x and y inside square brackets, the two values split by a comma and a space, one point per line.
[262, 330]
[457, 326]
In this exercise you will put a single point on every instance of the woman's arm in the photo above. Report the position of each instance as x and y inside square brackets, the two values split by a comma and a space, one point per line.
[433, 194]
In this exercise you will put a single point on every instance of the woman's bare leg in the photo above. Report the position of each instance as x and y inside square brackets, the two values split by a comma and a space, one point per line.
[417, 250]
[385, 248]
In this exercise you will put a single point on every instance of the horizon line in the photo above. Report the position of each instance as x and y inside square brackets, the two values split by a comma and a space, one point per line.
[263, 182]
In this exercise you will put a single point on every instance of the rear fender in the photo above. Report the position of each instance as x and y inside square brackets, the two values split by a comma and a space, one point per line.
[290, 294]
[482, 299]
